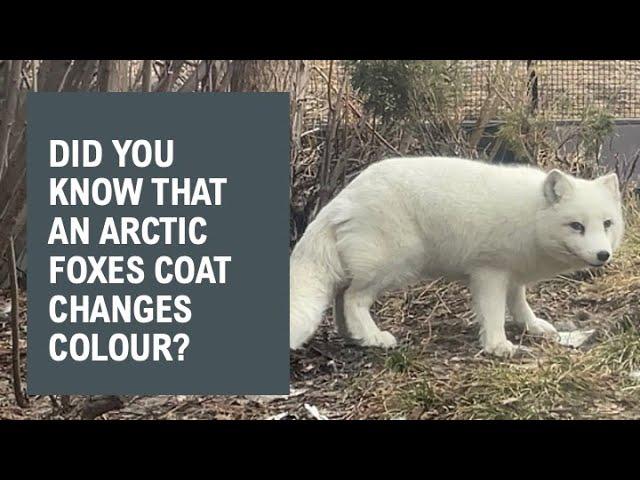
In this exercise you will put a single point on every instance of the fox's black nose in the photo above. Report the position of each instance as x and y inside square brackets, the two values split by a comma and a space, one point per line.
[603, 256]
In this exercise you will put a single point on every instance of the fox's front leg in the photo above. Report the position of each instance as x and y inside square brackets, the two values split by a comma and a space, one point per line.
[489, 291]
[523, 315]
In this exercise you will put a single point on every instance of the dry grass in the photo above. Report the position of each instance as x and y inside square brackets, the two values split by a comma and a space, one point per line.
[559, 383]
[555, 382]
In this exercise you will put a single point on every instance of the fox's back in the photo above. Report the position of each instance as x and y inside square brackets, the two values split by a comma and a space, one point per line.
[439, 175]
[433, 187]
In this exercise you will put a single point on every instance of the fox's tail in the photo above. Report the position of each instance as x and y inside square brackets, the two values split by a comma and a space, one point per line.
[315, 271]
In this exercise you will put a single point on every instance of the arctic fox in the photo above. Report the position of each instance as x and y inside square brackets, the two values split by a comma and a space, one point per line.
[496, 228]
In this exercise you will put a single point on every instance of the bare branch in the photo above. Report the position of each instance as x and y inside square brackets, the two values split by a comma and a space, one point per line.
[198, 74]
[21, 399]
[9, 112]
[172, 73]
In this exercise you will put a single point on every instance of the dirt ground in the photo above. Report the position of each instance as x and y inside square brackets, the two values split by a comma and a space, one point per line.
[438, 371]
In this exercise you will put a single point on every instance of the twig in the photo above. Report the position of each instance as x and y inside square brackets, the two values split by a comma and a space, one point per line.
[66, 75]
[21, 400]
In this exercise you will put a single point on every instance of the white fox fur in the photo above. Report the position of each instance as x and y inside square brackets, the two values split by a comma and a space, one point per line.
[497, 228]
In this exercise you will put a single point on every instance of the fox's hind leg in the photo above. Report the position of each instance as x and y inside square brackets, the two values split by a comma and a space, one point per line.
[359, 327]
[373, 263]
[523, 315]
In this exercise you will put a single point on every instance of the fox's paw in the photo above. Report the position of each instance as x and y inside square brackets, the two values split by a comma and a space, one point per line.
[380, 338]
[503, 349]
[542, 327]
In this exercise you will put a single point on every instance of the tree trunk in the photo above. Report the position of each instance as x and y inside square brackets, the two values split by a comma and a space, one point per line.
[146, 75]
[263, 75]
[113, 76]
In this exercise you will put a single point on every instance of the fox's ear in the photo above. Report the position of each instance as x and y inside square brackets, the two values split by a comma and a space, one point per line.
[557, 186]
[610, 181]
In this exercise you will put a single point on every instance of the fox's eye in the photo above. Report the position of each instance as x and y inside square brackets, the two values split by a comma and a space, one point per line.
[577, 226]
[607, 224]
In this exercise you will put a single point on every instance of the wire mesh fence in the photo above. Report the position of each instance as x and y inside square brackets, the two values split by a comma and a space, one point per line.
[563, 88]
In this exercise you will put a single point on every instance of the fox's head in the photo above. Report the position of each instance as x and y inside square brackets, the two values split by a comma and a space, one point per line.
[581, 224]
